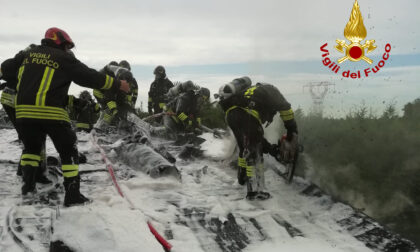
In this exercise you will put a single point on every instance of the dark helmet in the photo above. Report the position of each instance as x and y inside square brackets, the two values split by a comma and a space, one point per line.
[204, 92]
[125, 64]
[159, 70]
[59, 37]
[85, 95]
[187, 86]
[243, 81]
[123, 74]
[113, 63]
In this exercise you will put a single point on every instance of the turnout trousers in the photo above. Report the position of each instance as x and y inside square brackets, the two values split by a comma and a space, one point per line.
[249, 136]
[33, 135]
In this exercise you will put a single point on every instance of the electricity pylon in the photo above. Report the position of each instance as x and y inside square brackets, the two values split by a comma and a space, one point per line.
[318, 91]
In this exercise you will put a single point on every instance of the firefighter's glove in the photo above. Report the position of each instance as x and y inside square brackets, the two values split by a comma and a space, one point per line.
[288, 148]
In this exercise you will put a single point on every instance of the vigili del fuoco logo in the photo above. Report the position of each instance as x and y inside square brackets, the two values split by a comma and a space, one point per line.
[356, 50]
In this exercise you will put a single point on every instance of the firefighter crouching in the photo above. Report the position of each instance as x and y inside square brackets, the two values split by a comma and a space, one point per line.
[84, 112]
[116, 105]
[183, 111]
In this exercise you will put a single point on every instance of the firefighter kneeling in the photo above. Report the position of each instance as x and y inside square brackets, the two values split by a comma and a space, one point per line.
[183, 111]
[116, 105]
[84, 112]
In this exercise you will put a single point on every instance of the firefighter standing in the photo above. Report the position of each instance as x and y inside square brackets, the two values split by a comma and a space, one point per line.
[44, 76]
[8, 96]
[247, 108]
[158, 89]
[8, 101]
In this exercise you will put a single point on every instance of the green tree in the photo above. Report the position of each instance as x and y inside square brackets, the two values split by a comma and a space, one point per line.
[390, 111]
[213, 116]
[412, 109]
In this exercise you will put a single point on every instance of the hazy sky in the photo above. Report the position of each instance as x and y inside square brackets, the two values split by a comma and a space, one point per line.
[274, 41]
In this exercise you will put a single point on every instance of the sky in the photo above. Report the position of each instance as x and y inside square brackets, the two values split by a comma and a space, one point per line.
[212, 42]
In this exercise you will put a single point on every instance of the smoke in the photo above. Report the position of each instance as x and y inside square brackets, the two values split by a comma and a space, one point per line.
[330, 178]
[275, 130]
[370, 163]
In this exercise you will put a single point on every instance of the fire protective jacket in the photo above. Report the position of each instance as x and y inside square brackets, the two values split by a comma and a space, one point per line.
[262, 101]
[84, 113]
[120, 97]
[187, 109]
[158, 89]
[9, 94]
[44, 75]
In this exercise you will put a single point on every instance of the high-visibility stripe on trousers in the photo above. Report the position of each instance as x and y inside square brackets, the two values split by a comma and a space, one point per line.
[70, 170]
[250, 170]
[83, 125]
[242, 162]
[30, 159]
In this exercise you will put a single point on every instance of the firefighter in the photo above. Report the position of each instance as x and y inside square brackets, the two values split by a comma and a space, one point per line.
[159, 87]
[180, 88]
[115, 105]
[8, 101]
[8, 96]
[44, 75]
[247, 108]
[125, 64]
[99, 94]
[184, 111]
[131, 97]
[83, 111]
